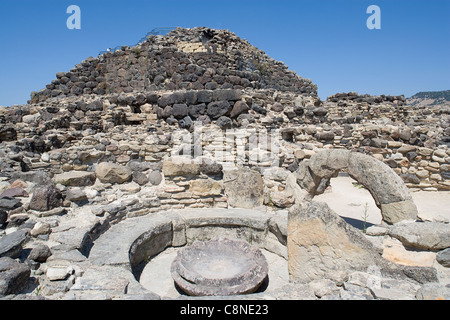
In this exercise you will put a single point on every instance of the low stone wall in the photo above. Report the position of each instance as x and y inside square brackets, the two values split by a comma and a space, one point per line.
[259, 129]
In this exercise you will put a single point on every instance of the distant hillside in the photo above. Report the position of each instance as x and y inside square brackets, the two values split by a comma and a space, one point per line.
[433, 95]
[430, 98]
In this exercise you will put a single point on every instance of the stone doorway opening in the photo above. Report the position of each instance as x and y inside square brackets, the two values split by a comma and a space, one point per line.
[387, 189]
[352, 201]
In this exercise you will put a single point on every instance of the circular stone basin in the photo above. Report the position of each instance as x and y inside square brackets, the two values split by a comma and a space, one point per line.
[219, 268]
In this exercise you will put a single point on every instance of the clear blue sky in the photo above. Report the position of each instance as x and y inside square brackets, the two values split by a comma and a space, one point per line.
[324, 40]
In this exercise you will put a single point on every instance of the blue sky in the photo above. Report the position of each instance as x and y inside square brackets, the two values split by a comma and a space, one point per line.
[324, 40]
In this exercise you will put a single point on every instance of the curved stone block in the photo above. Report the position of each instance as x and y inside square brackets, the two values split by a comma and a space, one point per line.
[382, 182]
[385, 186]
[119, 245]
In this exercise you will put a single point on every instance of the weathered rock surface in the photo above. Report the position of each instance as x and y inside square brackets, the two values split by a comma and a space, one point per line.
[7, 203]
[443, 257]
[13, 193]
[113, 173]
[426, 235]
[219, 267]
[40, 253]
[13, 276]
[205, 187]
[75, 195]
[433, 291]
[46, 198]
[322, 245]
[179, 166]
[11, 244]
[244, 188]
[386, 187]
[75, 178]
[395, 251]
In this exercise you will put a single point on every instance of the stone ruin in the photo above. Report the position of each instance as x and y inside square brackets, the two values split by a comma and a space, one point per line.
[198, 135]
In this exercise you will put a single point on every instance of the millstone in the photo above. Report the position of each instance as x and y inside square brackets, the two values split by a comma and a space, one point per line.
[219, 267]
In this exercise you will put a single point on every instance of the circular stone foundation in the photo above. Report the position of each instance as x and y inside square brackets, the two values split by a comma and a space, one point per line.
[219, 267]
[144, 247]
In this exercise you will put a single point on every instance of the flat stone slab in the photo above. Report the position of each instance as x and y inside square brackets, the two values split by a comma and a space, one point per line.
[219, 267]
[104, 279]
[75, 178]
[225, 217]
[11, 244]
[423, 235]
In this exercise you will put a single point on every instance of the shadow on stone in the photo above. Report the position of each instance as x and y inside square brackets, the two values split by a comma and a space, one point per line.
[358, 224]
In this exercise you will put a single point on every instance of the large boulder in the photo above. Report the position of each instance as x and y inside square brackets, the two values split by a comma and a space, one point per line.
[211, 168]
[322, 245]
[76, 194]
[224, 123]
[40, 253]
[244, 188]
[197, 110]
[180, 110]
[46, 198]
[108, 172]
[168, 99]
[155, 177]
[13, 276]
